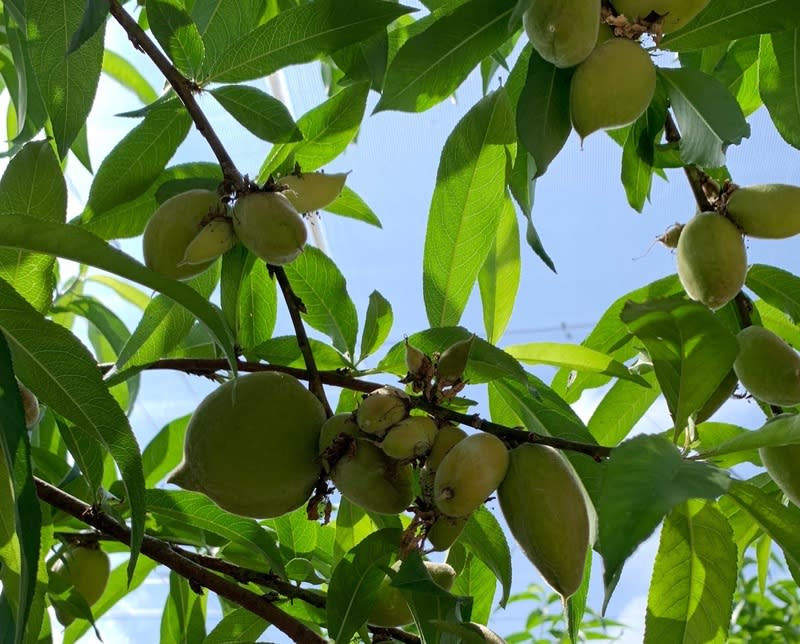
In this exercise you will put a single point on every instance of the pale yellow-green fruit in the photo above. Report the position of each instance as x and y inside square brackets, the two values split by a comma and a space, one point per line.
[447, 436]
[312, 191]
[712, 260]
[612, 87]
[453, 362]
[489, 636]
[172, 228]
[391, 609]
[380, 410]
[768, 211]
[333, 428]
[270, 227]
[214, 240]
[563, 32]
[87, 570]
[372, 480]
[30, 405]
[783, 464]
[677, 13]
[469, 473]
[445, 530]
[768, 367]
[252, 445]
[549, 513]
[411, 438]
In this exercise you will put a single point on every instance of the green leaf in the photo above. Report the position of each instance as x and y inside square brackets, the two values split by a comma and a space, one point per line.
[486, 362]
[164, 451]
[777, 287]
[319, 284]
[240, 625]
[433, 63]
[572, 356]
[621, 408]
[284, 350]
[645, 478]
[220, 23]
[30, 112]
[197, 510]
[691, 350]
[476, 580]
[88, 452]
[543, 123]
[71, 242]
[116, 67]
[94, 17]
[129, 218]
[349, 204]
[257, 306]
[67, 81]
[726, 20]
[498, 278]
[779, 82]
[258, 112]
[129, 293]
[484, 537]
[295, 532]
[466, 206]
[353, 525]
[377, 324]
[327, 131]
[301, 34]
[65, 377]
[164, 323]
[138, 159]
[739, 72]
[177, 34]
[355, 581]
[32, 185]
[783, 429]
[708, 117]
[183, 617]
[781, 523]
[694, 576]
[21, 524]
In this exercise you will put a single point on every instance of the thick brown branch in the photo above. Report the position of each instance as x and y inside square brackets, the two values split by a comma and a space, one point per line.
[183, 87]
[170, 556]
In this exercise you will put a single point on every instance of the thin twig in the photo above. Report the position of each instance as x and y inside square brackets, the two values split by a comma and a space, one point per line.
[172, 557]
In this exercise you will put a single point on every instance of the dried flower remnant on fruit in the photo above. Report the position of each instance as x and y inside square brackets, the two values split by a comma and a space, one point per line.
[451, 366]
[30, 405]
[671, 236]
[381, 409]
[660, 15]
[420, 370]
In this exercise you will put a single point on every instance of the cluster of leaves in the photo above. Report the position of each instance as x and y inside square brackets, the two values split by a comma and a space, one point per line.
[733, 56]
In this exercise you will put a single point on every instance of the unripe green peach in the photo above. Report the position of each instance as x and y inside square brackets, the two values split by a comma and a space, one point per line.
[783, 464]
[372, 480]
[30, 405]
[564, 32]
[214, 240]
[712, 260]
[411, 438]
[549, 513]
[677, 13]
[612, 87]
[445, 530]
[768, 367]
[768, 211]
[87, 570]
[453, 362]
[380, 410]
[391, 609]
[335, 426]
[269, 225]
[489, 636]
[252, 445]
[172, 228]
[446, 438]
[469, 473]
[312, 191]
[720, 396]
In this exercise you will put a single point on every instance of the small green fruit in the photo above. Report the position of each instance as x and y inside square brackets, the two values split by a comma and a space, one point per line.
[446, 438]
[469, 473]
[768, 367]
[564, 32]
[411, 438]
[214, 240]
[172, 228]
[677, 13]
[312, 191]
[453, 362]
[783, 464]
[252, 445]
[391, 609]
[768, 211]
[87, 570]
[380, 410]
[372, 480]
[712, 260]
[612, 87]
[549, 513]
[269, 225]
[445, 530]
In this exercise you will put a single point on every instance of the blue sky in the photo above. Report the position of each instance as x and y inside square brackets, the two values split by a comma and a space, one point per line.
[601, 247]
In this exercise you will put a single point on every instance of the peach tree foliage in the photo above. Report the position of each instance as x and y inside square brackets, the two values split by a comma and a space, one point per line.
[81, 474]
